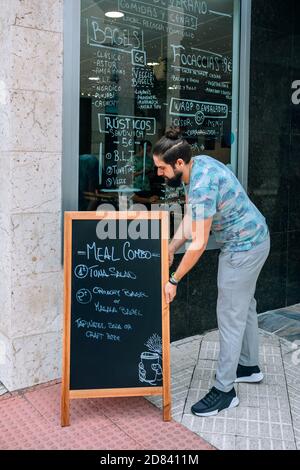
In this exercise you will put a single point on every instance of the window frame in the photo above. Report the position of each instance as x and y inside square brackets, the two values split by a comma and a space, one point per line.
[71, 94]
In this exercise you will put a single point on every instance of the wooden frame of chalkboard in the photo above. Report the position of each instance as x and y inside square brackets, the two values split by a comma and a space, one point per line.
[70, 391]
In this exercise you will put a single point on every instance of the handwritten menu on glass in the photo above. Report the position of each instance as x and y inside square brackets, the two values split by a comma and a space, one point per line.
[165, 62]
[116, 308]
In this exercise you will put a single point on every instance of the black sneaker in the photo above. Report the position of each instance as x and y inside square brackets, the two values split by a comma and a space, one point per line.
[248, 374]
[214, 402]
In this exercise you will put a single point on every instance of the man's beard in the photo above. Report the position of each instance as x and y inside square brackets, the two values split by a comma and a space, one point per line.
[176, 181]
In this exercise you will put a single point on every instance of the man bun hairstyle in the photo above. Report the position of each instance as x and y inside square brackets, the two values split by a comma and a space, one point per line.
[173, 134]
[173, 146]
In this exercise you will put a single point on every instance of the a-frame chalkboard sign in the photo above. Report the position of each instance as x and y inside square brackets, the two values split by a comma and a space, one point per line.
[116, 339]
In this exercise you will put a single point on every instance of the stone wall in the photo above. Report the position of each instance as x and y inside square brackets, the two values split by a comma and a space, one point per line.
[30, 191]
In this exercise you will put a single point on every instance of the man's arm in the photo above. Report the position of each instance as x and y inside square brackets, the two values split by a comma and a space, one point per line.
[200, 236]
[182, 234]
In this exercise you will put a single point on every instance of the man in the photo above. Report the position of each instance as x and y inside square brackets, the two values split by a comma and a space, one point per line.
[219, 204]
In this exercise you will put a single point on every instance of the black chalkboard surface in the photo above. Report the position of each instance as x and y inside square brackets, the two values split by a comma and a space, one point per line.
[116, 335]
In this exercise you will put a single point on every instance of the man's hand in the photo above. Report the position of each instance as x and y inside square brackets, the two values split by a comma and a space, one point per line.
[170, 292]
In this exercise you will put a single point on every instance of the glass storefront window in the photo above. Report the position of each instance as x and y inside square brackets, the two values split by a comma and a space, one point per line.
[160, 63]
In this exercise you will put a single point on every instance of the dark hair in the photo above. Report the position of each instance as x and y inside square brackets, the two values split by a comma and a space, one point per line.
[173, 146]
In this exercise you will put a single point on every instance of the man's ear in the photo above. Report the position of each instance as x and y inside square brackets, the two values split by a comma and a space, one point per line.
[179, 164]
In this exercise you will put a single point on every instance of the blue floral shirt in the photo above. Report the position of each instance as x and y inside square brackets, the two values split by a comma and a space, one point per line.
[214, 191]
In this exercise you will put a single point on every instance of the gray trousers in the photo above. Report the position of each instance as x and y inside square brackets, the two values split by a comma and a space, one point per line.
[236, 311]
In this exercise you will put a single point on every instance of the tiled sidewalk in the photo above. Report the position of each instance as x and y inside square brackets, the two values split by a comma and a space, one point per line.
[268, 416]
[283, 322]
[31, 420]
[2, 389]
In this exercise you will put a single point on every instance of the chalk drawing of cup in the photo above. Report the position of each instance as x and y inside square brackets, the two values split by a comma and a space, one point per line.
[150, 370]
